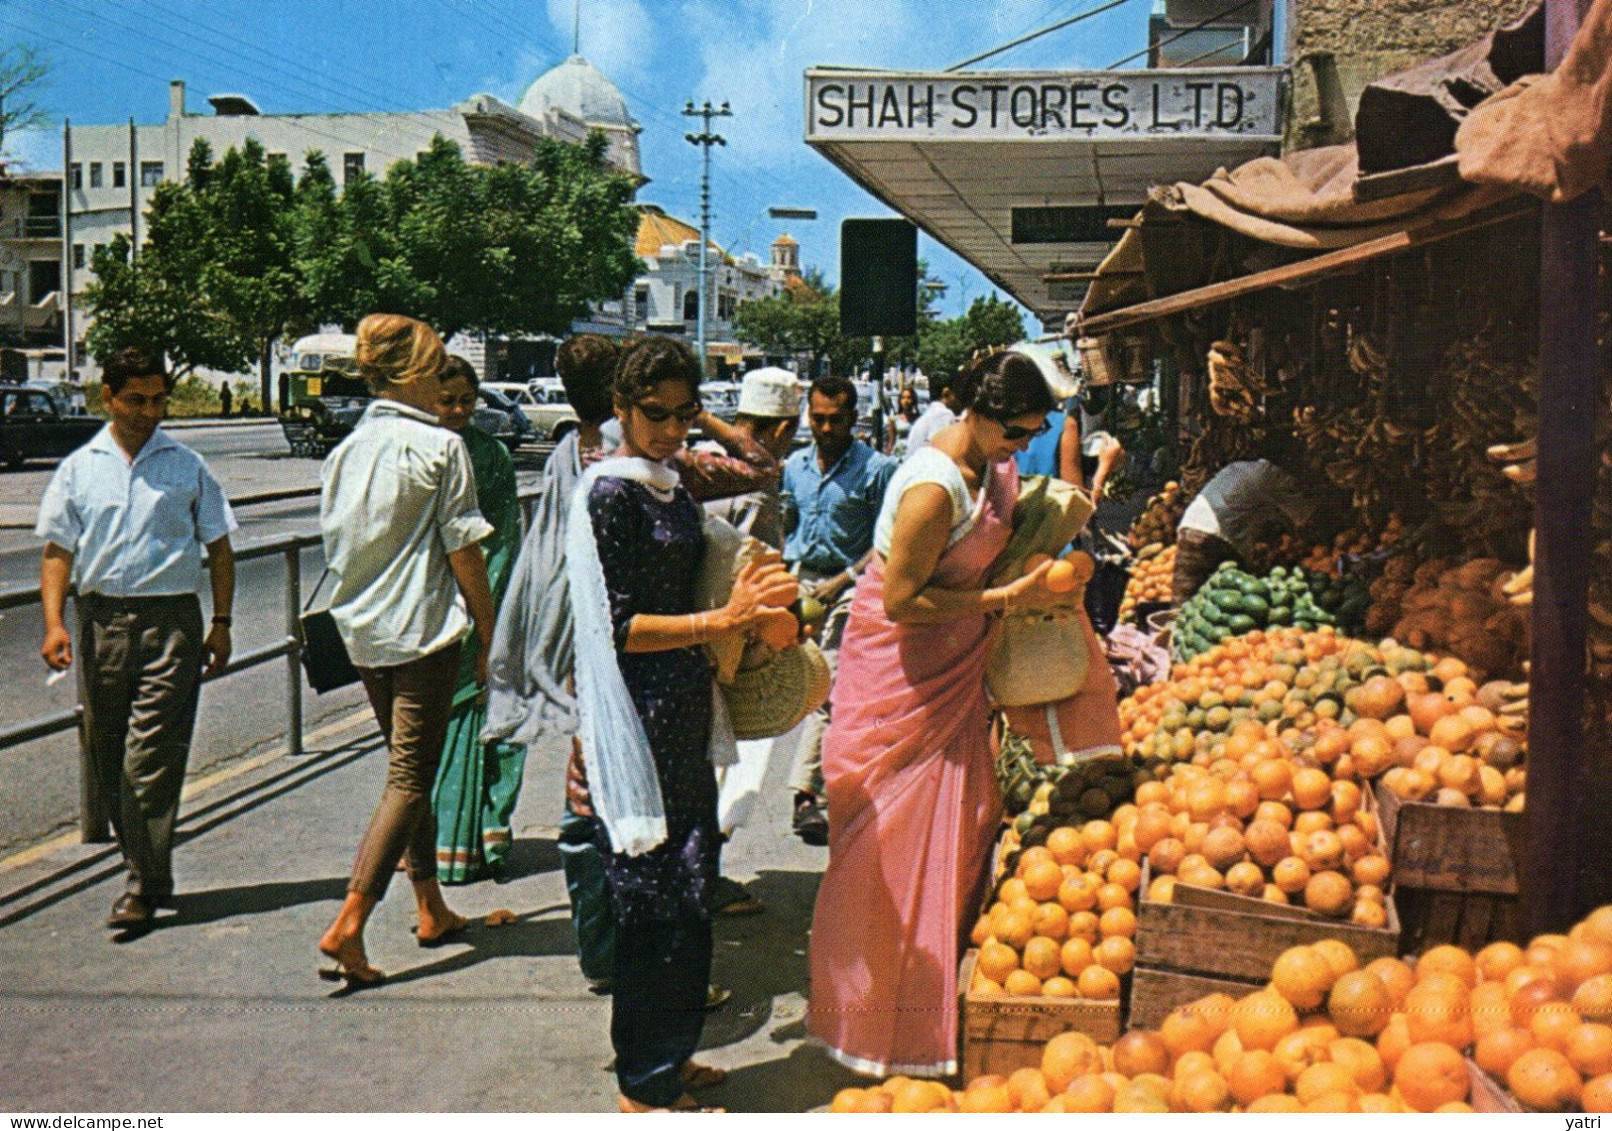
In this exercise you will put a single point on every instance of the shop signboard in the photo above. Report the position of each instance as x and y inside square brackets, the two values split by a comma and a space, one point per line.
[1092, 106]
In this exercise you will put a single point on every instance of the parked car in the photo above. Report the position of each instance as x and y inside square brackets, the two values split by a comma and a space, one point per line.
[33, 427]
[543, 404]
[501, 418]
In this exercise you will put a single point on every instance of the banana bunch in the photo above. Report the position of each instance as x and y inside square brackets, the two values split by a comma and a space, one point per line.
[1221, 442]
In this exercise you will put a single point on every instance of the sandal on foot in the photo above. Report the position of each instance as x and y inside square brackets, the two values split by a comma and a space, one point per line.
[354, 970]
[456, 928]
[716, 997]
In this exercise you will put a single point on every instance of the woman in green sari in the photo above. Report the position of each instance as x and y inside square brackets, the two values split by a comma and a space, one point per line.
[477, 783]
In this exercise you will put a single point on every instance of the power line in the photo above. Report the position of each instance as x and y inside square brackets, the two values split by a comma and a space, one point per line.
[339, 139]
[223, 40]
[1199, 26]
[232, 61]
[1048, 30]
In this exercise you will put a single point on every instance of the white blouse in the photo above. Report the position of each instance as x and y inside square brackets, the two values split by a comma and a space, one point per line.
[928, 465]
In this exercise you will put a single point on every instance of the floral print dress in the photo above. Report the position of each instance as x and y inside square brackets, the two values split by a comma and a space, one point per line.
[651, 548]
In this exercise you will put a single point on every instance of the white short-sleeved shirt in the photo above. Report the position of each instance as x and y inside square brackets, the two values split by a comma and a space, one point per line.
[1242, 500]
[928, 465]
[135, 528]
[933, 419]
[397, 498]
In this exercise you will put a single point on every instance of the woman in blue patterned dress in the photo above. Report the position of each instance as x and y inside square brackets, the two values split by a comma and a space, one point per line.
[651, 723]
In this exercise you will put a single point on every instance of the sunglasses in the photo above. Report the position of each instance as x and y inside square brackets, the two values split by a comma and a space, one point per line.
[688, 414]
[1012, 432]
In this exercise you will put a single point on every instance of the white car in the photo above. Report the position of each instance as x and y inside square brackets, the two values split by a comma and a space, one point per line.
[544, 406]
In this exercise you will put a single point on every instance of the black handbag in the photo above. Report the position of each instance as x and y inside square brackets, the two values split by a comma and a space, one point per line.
[324, 654]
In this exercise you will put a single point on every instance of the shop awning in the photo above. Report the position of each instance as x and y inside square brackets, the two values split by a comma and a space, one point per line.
[1313, 213]
[1019, 173]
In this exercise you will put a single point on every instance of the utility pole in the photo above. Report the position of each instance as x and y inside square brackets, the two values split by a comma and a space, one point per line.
[68, 334]
[705, 140]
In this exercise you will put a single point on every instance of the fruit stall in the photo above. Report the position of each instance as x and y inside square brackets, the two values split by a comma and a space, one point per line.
[1314, 882]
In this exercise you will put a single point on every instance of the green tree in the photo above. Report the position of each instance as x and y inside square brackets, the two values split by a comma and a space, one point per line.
[240, 255]
[22, 73]
[945, 345]
[250, 276]
[154, 301]
[506, 249]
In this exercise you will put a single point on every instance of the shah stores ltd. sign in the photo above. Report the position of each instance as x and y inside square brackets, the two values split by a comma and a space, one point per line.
[1072, 105]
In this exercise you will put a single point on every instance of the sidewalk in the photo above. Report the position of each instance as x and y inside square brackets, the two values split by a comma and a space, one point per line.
[219, 1008]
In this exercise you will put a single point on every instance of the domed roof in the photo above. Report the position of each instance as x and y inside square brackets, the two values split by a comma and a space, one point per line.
[578, 87]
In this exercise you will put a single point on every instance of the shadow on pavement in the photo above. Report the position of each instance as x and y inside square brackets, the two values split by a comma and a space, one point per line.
[804, 1080]
[544, 933]
[194, 908]
[780, 933]
[529, 856]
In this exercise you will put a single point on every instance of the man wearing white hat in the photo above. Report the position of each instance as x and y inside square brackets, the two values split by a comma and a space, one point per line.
[769, 414]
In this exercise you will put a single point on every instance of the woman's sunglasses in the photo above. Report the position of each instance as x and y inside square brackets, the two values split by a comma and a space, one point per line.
[1011, 432]
[688, 414]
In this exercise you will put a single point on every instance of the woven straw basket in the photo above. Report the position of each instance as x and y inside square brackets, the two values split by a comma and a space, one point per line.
[771, 699]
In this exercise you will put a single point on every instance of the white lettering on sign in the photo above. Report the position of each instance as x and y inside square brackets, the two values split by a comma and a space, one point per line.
[867, 106]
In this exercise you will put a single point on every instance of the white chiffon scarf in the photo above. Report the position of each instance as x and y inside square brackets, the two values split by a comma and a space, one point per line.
[622, 782]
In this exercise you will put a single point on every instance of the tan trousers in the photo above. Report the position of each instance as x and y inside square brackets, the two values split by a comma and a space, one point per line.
[413, 703]
[139, 680]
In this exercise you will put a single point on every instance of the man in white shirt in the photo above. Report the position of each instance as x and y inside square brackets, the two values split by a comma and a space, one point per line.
[1245, 502]
[944, 409]
[126, 518]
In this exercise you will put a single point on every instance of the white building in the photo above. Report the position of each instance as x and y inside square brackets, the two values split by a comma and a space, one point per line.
[113, 170]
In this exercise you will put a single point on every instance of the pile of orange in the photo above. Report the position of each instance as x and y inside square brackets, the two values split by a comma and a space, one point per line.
[1259, 823]
[1362, 711]
[1151, 579]
[1063, 920]
[1454, 744]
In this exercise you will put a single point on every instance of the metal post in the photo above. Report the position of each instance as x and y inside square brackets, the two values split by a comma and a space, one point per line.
[134, 193]
[705, 140]
[293, 656]
[1565, 856]
[67, 244]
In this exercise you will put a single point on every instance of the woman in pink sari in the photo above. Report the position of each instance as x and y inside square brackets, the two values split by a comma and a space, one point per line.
[913, 803]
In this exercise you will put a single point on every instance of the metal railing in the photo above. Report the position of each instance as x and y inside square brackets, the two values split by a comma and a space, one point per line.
[94, 813]
[33, 228]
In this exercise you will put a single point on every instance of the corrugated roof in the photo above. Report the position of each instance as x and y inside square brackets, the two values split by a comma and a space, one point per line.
[656, 229]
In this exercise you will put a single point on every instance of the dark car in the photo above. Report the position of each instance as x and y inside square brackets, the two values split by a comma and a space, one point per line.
[33, 427]
[502, 418]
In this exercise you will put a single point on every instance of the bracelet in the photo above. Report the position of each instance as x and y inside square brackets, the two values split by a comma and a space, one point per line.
[226, 621]
[701, 620]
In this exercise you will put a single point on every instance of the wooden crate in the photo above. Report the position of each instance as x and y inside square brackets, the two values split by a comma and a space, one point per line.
[1489, 1097]
[1204, 931]
[1471, 920]
[1001, 1034]
[1155, 992]
[1439, 848]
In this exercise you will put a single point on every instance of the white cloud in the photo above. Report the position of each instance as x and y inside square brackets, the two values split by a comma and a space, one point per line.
[35, 150]
[617, 35]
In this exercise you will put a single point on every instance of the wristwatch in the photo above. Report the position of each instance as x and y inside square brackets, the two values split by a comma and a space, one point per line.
[226, 621]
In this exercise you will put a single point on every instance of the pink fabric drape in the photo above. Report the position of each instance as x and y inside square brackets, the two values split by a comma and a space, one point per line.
[913, 809]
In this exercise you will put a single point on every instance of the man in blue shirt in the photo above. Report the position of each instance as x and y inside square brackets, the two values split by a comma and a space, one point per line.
[832, 492]
[126, 517]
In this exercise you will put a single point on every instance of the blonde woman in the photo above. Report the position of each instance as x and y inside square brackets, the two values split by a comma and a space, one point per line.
[402, 534]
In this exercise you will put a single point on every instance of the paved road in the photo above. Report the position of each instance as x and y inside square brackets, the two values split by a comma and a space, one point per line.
[219, 1010]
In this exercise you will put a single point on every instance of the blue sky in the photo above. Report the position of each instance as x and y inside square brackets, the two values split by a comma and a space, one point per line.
[113, 58]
